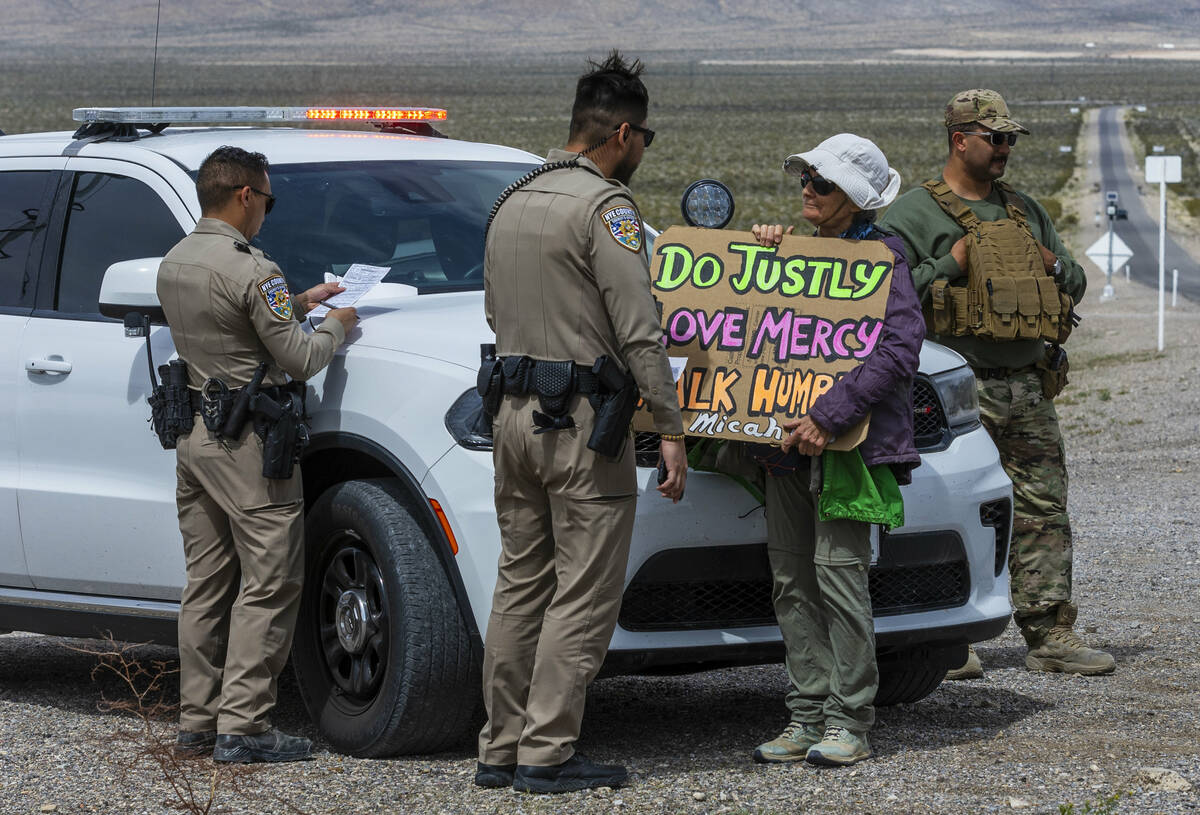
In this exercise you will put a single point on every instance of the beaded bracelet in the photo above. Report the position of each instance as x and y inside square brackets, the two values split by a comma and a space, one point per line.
[671, 436]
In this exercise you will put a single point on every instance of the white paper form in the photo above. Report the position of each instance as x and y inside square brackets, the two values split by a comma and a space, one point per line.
[358, 280]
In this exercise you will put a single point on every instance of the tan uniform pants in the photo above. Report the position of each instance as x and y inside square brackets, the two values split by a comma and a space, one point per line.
[566, 520]
[243, 541]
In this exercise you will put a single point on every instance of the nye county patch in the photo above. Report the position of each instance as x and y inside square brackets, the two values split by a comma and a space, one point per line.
[275, 291]
[625, 226]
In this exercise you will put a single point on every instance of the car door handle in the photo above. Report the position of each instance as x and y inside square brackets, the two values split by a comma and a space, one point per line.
[47, 366]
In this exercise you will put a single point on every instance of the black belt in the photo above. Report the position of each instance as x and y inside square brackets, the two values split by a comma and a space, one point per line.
[520, 377]
[1001, 373]
[276, 392]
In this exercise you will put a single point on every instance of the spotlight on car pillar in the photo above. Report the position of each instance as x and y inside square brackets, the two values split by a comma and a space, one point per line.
[707, 203]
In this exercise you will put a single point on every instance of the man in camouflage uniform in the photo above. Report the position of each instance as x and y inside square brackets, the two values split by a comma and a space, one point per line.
[1021, 420]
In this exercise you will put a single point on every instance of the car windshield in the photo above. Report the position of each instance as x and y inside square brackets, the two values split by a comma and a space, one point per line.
[422, 219]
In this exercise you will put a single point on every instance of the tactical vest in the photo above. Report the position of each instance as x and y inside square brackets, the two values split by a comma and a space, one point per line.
[1008, 295]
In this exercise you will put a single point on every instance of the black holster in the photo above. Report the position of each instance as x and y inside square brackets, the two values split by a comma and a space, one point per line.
[554, 384]
[283, 428]
[171, 404]
[489, 382]
[240, 410]
[614, 401]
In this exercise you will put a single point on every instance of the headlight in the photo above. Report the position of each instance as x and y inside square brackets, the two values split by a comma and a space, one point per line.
[467, 423]
[960, 400]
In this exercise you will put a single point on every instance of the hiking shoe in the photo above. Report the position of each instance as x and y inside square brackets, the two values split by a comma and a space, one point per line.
[839, 747]
[1063, 652]
[576, 773]
[494, 776]
[270, 745]
[790, 745]
[971, 669]
[189, 743]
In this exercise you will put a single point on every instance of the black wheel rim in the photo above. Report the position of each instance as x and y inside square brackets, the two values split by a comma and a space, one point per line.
[353, 624]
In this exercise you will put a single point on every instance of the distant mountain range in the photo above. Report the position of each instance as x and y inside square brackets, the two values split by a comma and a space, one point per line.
[515, 30]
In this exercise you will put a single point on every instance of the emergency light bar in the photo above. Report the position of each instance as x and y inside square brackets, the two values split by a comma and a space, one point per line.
[180, 115]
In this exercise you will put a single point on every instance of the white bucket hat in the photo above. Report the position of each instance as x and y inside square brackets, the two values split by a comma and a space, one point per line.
[855, 164]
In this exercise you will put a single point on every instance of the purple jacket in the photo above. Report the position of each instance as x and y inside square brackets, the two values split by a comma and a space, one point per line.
[882, 385]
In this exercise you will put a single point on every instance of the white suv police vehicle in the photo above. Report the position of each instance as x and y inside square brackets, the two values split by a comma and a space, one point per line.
[402, 541]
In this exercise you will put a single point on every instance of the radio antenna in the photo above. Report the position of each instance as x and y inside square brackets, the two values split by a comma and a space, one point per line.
[154, 68]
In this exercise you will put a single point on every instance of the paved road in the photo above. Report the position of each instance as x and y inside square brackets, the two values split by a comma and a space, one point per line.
[1140, 232]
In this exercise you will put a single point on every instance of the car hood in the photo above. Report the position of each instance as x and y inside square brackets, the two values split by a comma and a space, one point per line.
[448, 326]
[451, 326]
[936, 359]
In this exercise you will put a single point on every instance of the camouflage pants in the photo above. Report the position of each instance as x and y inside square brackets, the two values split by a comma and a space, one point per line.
[1024, 426]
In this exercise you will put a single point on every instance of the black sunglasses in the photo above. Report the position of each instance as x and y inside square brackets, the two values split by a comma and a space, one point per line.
[821, 186]
[646, 132]
[270, 198]
[996, 139]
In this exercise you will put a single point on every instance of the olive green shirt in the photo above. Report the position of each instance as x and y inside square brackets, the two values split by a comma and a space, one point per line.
[928, 233]
[566, 277]
[229, 309]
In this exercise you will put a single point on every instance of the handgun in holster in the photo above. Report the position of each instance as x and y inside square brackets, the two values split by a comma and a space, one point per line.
[284, 432]
[1054, 367]
[615, 401]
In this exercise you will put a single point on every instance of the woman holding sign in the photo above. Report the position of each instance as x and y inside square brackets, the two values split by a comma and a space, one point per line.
[821, 505]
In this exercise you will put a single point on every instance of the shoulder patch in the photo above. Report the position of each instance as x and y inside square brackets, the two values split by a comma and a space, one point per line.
[274, 291]
[625, 226]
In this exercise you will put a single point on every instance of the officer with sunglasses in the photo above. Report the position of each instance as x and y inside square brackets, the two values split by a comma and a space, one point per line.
[230, 312]
[1017, 375]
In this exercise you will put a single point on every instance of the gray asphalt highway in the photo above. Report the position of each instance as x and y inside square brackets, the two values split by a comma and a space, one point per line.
[1140, 232]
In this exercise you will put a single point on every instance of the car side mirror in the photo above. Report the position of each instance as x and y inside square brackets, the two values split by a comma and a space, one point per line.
[131, 286]
[707, 203]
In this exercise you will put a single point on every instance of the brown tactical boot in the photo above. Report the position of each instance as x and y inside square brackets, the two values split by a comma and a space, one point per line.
[971, 669]
[1061, 651]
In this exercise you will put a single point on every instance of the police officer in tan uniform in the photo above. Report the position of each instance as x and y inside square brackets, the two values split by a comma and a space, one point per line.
[229, 310]
[567, 279]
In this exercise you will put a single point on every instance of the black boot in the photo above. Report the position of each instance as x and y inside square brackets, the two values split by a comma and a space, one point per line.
[576, 773]
[270, 745]
[494, 776]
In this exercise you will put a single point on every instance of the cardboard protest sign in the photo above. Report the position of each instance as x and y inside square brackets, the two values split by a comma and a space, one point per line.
[765, 331]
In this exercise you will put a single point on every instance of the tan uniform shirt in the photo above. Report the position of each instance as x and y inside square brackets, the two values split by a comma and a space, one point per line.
[229, 309]
[566, 277]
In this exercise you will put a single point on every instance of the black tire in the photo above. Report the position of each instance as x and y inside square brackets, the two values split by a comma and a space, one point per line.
[911, 675]
[404, 678]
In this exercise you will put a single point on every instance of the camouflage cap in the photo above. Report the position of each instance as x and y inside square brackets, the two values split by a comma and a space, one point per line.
[982, 106]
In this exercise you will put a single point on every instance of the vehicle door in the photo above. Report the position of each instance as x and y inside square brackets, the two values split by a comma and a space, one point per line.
[26, 190]
[97, 491]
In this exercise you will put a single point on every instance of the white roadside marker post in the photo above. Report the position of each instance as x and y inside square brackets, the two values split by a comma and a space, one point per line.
[1163, 170]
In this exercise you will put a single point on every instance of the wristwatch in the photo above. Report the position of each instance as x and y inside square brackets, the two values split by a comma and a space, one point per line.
[1056, 271]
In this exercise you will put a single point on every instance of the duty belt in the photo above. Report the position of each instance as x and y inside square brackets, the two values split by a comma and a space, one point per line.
[521, 377]
[276, 392]
[1002, 373]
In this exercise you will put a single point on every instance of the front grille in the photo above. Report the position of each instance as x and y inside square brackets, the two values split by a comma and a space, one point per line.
[929, 420]
[730, 586]
[998, 515]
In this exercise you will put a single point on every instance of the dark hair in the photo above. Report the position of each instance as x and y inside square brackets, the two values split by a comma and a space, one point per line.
[609, 94]
[962, 127]
[225, 170]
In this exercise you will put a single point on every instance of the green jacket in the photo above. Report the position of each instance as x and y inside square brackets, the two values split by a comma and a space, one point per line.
[928, 233]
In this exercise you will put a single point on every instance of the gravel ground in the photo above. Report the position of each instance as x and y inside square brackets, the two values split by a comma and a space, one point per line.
[1012, 740]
